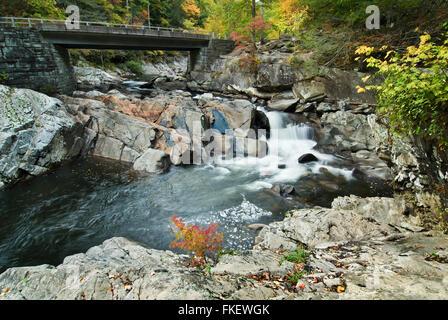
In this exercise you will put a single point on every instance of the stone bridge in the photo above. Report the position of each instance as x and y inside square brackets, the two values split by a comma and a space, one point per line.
[34, 52]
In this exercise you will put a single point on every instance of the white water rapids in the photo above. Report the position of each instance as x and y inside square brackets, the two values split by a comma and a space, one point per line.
[287, 142]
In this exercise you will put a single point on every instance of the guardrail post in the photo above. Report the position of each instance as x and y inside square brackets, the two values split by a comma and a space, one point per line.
[29, 22]
[13, 22]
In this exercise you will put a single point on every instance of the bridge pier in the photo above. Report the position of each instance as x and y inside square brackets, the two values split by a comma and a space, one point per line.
[202, 59]
[31, 62]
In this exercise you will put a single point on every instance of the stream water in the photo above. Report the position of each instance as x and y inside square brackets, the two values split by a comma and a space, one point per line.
[90, 200]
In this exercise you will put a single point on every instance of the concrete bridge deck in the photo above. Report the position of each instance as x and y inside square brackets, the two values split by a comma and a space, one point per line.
[34, 51]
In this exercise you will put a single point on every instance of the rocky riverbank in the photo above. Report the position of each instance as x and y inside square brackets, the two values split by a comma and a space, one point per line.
[360, 248]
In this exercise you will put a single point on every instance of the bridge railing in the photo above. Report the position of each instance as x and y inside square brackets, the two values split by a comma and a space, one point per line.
[37, 22]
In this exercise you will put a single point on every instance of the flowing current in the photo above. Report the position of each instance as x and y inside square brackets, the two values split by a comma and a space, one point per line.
[90, 200]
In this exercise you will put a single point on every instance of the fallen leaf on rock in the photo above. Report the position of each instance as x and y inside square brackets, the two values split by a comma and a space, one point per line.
[340, 289]
[6, 291]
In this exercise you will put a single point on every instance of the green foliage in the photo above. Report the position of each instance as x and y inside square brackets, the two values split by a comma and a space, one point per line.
[352, 13]
[300, 255]
[294, 278]
[414, 95]
[134, 66]
[3, 78]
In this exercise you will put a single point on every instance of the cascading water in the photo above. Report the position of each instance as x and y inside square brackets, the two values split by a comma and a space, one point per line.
[287, 142]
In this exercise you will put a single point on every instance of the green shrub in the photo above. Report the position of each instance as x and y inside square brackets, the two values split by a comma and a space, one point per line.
[294, 278]
[414, 95]
[298, 256]
[134, 66]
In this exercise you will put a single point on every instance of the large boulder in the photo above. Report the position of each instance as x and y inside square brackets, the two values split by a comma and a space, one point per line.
[37, 133]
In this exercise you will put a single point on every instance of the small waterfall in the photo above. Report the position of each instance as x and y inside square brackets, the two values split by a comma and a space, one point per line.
[288, 141]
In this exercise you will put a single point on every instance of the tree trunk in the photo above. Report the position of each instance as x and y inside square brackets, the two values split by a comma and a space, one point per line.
[254, 13]
[262, 31]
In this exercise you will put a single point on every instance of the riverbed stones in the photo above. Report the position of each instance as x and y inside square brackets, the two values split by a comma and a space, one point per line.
[307, 157]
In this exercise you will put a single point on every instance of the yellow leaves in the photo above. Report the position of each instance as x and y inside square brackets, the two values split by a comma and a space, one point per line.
[416, 29]
[340, 289]
[389, 53]
[424, 38]
[412, 49]
[364, 50]
[360, 89]
[366, 78]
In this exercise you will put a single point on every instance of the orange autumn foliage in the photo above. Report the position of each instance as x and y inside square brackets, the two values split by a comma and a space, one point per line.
[192, 238]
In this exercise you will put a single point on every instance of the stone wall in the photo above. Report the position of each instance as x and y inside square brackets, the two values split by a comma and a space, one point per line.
[202, 59]
[31, 62]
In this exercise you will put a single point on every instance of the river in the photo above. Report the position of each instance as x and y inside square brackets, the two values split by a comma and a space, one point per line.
[90, 200]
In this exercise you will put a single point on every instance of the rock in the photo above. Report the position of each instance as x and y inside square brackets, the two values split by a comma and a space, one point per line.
[152, 161]
[308, 157]
[117, 94]
[89, 78]
[170, 84]
[287, 190]
[282, 105]
[260, 123]
[238, 113]
[256, 226]
[309, 91]
[364, 109]
[307, 107]
[393, 211]
[89, 95]
[316, 226]
[119, 269]
[37, 134]
[342, 105]
[254, 263]
[347, 131]
[326, 107]
[107, 147]
[274, 77]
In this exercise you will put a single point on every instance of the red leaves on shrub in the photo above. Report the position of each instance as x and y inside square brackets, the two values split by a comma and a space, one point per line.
[192, 238]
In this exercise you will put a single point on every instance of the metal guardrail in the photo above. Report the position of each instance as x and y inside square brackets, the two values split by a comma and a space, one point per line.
[36, 22]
